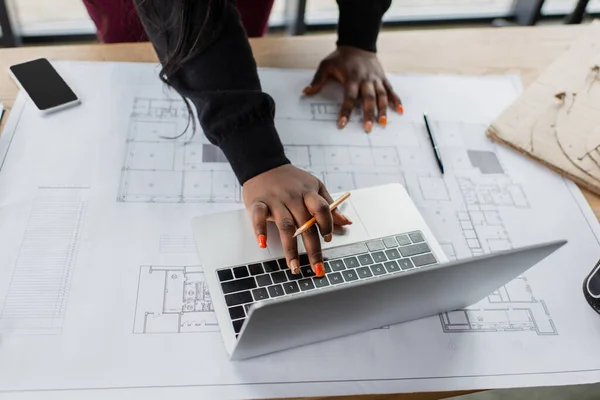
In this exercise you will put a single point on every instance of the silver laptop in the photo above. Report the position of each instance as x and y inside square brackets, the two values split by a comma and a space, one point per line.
[386, 268]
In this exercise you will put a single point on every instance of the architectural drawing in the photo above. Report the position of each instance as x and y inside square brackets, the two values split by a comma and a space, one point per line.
[163, 166]
[176, 244]
[513, 308]
[38, 294]
[466, 204]
[173, 300]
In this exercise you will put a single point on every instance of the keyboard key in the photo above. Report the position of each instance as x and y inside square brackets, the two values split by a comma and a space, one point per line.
[335, 278]
[237, 325]
[414, 249]
[275, 291]
[255, 269]
[392, 254]
[260, 294]
[416, 237]
[390, 242]
[379, 257]
[425, 259]
[350, 275]
[351, 262]
[375, 245]
[237, 312]
[225, 275]
[377, 269]
[391, 266]
[279, 277]
[291, 276]
[327, 268]
[365, 259]
[321, 282]
[306, 284]
[303, 258]
[364, 272]
[337, 265]
[271, 266]
[291, 287]
[241, 272]
[238, 285]
[264, 280]
[238, 298]
[345, 251]
[405, 263]
[282, 263]
[307, 272]
[403, 240]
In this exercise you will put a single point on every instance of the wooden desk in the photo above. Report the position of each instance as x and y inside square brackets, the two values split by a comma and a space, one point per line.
[523, 50]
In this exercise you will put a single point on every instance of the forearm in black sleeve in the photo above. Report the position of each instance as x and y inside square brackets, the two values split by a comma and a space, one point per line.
[360, 21]
[222, 82]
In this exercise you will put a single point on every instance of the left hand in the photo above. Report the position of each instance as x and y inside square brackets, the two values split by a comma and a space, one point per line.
[362, 76]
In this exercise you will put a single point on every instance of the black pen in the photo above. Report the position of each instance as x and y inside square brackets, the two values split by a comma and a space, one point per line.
[436, 151]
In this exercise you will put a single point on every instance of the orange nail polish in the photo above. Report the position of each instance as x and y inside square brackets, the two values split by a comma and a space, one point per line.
[383, 120]
[262, 241]
[400, 109]
[319, 270]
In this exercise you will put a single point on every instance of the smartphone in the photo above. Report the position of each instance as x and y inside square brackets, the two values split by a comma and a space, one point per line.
[44, 86]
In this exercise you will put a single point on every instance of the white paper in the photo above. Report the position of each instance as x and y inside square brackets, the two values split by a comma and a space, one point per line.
[100, 313]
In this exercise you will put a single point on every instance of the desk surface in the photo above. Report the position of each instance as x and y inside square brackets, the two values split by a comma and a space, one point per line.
[523, 50]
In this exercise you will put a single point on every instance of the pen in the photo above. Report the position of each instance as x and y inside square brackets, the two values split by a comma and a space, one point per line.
[312, 221]
[438, 157]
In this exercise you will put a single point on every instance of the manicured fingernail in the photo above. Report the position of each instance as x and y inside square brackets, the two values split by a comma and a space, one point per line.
[306, 89]
[342, 122]
[400, 109]
[347, 219]
[368, 126]
[383, 120]
[327, 238]
[319, 270]
[295, 267]
[262, 241]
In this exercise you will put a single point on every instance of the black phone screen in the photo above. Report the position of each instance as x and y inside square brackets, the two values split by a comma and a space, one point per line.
[46, 88]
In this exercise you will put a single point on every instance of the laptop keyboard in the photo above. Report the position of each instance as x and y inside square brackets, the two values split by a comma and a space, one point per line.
[246, 284]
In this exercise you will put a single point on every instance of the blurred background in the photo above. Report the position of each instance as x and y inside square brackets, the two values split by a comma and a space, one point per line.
[54, 21]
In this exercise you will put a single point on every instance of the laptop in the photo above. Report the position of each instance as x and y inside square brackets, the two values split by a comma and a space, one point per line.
[386, 268]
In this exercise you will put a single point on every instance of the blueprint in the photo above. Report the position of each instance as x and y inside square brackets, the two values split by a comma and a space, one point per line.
[102, 294]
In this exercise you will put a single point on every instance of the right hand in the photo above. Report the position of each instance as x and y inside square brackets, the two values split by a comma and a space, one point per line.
[290, 196]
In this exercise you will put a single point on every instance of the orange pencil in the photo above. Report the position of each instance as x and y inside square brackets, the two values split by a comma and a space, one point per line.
[312, 221]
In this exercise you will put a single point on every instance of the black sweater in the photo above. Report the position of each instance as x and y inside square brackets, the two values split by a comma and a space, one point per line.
[222, 80]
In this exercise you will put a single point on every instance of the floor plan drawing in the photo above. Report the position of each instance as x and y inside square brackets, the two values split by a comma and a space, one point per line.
[163, 166]
[513, 308]
[173, 300]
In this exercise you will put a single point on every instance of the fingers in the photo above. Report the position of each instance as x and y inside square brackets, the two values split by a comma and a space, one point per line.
[367, 92]
[382, 103]
[310, 237]
[260, 212]
[393, 98]
[350, 98]
[339, 219]
[319, 80]
[319, 208]
[287, 227]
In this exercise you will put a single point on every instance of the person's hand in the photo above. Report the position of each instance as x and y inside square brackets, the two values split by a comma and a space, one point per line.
[363, 77]
[290, 196]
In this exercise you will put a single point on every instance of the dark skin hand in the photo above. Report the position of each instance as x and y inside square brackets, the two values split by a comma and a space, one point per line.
[289, 197]
[363, 78]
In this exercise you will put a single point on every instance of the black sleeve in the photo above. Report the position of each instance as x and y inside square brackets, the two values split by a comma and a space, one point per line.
[222, 82]
[359, 22]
